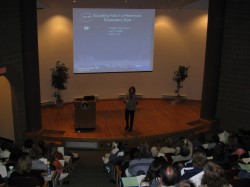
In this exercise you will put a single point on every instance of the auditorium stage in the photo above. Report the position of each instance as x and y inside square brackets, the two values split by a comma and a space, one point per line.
[153, 118]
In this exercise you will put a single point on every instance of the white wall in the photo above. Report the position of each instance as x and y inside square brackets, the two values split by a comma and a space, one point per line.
[180, 39]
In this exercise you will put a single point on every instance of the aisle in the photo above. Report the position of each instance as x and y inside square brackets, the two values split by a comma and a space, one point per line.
[89, 171]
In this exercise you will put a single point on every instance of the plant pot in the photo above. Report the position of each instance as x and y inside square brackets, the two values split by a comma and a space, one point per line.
[59, 103]
[178, 99]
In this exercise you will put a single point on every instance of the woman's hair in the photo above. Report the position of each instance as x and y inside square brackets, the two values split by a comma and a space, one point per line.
[154, 170]
[134, 153]
[52, 149]
[144, 151]
[132, 88]
[185, 150]
[199, 159]
[24, 164]
[28, 143]
[214, 175]
[185, 183]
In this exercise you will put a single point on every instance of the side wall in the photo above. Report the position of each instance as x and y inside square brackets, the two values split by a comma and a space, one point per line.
[19, 55]
[233, 107]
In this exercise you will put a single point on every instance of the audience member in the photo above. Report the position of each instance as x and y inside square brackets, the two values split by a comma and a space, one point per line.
[195, 172]
[140, 162]
[214, 176]
[168, 147]
[185, 183]
[220, 157]
[184, 150]
[41, 144]
[168, 176]
[153, 175]
[54, 157]
[27, 146]
[15, 154]
[23, 169]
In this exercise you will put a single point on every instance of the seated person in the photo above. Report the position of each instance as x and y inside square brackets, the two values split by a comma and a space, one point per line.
[153, 175]
[23, 169]
[27, 146]
[168, 147]
[220, 157]
[140, 162]
[115, 154]
[5, 150]
[214, 175]
[54, 157]
[43, 147]
[168, 176]
[195, 172]
[184, 150]
[15, 154]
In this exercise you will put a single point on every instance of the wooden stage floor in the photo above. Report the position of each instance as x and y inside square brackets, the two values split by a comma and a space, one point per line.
[153, 117]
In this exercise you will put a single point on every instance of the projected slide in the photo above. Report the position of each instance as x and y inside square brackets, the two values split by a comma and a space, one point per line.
[113, 40]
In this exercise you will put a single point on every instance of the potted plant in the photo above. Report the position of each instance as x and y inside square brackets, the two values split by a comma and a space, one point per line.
[59, 80]
[179, 76]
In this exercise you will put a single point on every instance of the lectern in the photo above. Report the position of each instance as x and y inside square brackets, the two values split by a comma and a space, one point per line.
[85, 114]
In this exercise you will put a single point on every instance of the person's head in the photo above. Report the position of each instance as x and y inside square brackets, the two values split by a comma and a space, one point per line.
[145, 151]
[218, 152]
[28, 143]
[154, 151]
[53, 148]
[131, 90]
[199, 159]
[233, 142]
[154, 170]
[15, 154]
[6, 146]
[185, 183]
[184, 147]
[168, 175]
[216, 138]
[51, 151]
[41, 143]
[120, 146]
[134, 153]
[24, 164]
[214, 175]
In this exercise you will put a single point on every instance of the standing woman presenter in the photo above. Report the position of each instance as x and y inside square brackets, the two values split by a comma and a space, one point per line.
[130, 106]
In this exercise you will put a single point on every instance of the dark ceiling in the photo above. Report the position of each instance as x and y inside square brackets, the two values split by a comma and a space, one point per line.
[138, 4]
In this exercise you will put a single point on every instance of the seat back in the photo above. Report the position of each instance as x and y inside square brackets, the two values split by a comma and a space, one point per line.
[232, 173]
[244, 182]
[20, 181]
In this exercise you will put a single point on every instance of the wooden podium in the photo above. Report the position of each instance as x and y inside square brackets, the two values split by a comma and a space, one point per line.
[85, 114]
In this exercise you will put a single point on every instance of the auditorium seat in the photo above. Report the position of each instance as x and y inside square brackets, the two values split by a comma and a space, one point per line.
[20, 181]
[244, 182]
[232, 173]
